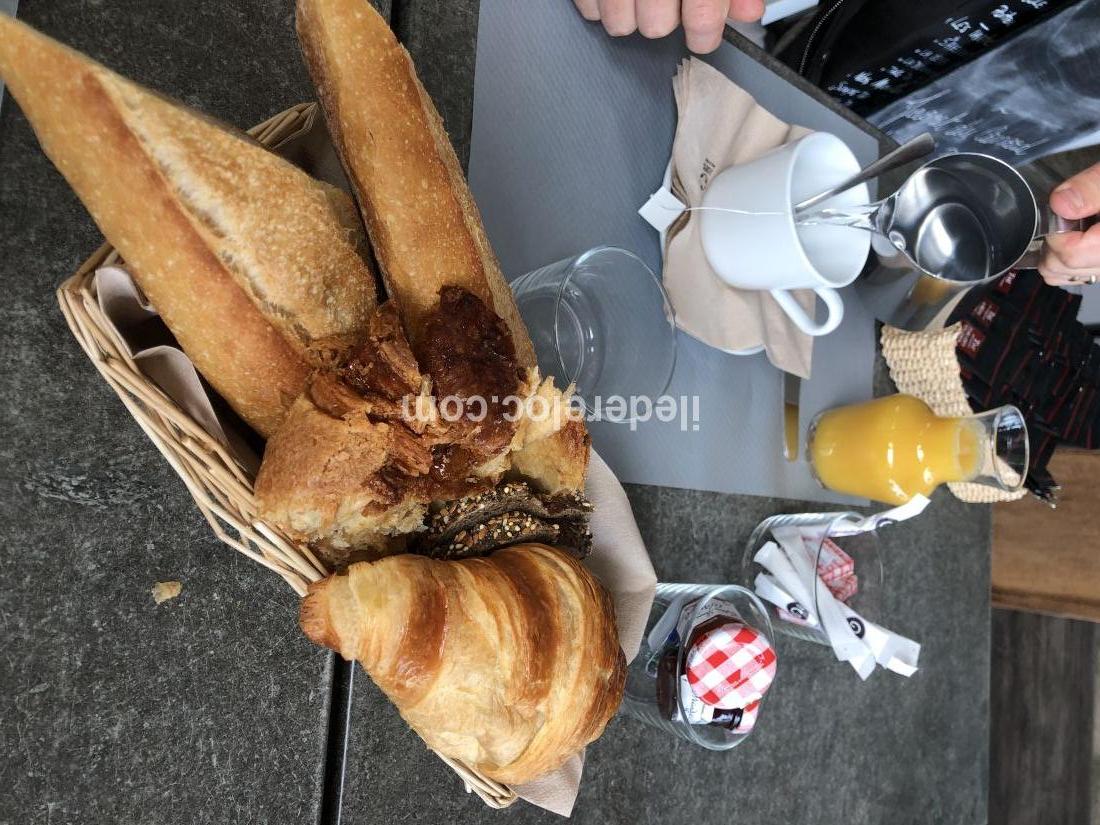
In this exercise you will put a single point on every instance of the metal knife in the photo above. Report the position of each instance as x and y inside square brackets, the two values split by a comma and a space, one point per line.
[792, 388]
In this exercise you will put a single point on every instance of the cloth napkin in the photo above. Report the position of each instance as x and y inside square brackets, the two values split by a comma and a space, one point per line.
[156, 354]
[721, 125]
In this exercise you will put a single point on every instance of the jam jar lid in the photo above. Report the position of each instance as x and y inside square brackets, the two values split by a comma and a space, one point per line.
[730, 666]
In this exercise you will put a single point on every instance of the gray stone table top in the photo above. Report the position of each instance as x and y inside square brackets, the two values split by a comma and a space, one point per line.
[212, 708]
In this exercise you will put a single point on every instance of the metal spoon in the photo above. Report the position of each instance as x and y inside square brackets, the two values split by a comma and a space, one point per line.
[911, 150]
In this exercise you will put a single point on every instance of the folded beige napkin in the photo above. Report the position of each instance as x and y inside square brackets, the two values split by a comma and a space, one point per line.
[721, 125]
[127, 310]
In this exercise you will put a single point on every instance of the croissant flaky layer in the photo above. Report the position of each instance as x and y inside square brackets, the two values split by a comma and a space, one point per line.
[509, 663]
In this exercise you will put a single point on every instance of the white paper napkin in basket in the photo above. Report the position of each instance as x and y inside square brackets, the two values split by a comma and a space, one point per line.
[620, 561]
[721, 125]
[619, 558]
[126, 307]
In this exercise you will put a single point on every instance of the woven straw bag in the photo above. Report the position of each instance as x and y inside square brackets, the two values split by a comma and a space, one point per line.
[924, 364]
[221, 487]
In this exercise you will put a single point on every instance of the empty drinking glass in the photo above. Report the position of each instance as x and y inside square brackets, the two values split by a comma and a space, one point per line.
[602, 321]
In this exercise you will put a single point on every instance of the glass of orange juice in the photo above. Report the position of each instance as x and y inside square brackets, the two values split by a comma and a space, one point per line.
[893, 448]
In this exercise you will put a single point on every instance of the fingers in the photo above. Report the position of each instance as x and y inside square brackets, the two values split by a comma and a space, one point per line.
[1072, 258]
[657, 18]
[618, 17]
[1055, 272]
[1079, 196]
[704, 23]
[589, 9]
[747, 11]
[704, 20]
[1078, 250]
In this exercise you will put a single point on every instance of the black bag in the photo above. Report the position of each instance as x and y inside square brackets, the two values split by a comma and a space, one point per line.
[867, 53]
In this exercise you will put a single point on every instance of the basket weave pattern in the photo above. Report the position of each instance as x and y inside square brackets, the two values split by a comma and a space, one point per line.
[221, 487]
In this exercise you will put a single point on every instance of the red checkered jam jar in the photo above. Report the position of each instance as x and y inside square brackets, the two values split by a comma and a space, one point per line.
[705, 664]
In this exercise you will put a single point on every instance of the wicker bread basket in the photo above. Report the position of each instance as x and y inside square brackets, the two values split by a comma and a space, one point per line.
[221, 487]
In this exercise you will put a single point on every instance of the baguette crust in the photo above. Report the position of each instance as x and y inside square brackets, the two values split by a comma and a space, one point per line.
[253, 265]
[423, 223]
[422, 220]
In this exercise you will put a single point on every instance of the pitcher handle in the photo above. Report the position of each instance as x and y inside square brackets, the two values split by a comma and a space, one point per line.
[1051, 223]
[833, 303]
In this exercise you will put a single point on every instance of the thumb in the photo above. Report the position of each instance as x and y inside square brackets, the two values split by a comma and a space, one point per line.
[1079, 196]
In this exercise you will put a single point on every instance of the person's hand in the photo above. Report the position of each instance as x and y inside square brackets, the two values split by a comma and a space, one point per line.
[703, 20]
[1074, 258]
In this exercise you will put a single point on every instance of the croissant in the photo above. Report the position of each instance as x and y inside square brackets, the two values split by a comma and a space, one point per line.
[509, 663]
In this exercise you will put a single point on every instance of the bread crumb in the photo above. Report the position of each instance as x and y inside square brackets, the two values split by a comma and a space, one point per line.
[163, 591]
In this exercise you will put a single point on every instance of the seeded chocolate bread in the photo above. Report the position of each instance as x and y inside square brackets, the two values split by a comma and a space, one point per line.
[510, 513]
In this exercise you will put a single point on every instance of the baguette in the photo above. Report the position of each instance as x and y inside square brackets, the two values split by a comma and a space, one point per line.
[255, 267]
[422, 220]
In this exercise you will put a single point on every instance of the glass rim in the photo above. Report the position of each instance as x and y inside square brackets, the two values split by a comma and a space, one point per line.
[1000, 414]
[570, 375]
[681, 661]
